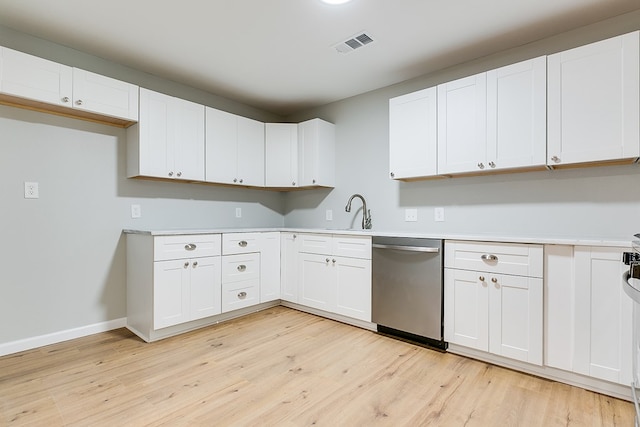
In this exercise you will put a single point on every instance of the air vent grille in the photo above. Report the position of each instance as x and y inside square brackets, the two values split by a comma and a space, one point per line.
[354, 42]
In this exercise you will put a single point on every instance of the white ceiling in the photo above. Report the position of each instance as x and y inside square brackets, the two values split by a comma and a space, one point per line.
[277, 54]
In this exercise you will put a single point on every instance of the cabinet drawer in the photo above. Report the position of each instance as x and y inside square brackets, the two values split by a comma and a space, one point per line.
[505, 258]
[240, 243]
[236, 268]
[316, 243]
[352, 246]
[185, 246]
[240, 294]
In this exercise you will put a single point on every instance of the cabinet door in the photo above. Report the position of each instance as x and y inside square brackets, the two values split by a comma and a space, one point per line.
[269, 266]
[188, 139]
[153, 133]
[466, 302]
[316, 153]
[27, 76]
[593, 102]
[462, 117]
[289, 266]
[603, 316]
[353, 287]
[221, 147]
[517, 115]
[171, 298]
[515, 317]
[250, 152]
[413, 135]
[317, 281]
[104, 95]
[205, 291]
[281, 155]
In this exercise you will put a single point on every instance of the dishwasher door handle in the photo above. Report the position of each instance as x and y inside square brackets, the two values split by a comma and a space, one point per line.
[407, 248]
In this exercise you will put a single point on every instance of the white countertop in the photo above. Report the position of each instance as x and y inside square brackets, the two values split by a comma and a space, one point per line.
[466, 237]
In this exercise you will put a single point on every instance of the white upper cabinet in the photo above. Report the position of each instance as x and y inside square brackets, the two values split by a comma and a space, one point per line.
[593, 104]
[99, 94]
[517, 115]
[36, 82]
[281, 155]
[462, 120]
[37, 79]
[413, 135]
[234, 149]
[316, 153]
[168, 141]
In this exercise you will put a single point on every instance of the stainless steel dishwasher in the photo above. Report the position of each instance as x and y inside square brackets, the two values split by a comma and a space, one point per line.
[407, 289]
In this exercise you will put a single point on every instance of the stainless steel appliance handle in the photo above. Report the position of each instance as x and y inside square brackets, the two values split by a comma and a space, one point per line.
[407, 248]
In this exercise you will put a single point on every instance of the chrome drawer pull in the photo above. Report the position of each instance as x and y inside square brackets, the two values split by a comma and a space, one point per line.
[195, 264]
[242, 267]
[489, 257]
[242, 295]
[242, 243]
[190, 247]
[186, 264]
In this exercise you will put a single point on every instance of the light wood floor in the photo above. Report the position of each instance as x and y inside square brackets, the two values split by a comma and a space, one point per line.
[281, 367]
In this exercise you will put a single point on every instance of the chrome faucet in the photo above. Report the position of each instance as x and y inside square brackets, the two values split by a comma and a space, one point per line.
[366, 213]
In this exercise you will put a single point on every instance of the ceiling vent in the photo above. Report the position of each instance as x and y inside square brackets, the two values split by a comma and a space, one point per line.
[353, 43]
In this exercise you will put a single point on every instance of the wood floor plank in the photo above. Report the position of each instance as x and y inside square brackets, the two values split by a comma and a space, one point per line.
[281, 367]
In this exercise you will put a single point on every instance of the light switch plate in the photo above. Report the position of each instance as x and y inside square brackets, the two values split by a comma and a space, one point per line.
[411, 215]
[238, 212]
[31, 190]
[329, 215]
[438, 214]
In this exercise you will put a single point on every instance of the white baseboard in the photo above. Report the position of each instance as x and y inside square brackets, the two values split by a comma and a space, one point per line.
[56, 337]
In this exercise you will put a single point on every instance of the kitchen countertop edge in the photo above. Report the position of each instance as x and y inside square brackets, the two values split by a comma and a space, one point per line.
[462, 237]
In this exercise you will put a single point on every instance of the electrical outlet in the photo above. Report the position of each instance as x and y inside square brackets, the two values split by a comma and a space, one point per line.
[31, 190]
[329, 215]
[238, 212]
[438, 214]
[136, 211]
[411, 215]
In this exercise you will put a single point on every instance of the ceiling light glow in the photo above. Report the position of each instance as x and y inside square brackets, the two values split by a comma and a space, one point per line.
[335, 1]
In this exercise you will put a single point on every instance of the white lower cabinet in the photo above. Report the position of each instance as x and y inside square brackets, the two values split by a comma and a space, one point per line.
[185, 290]
[588, 316]
[332, 272]
[488, 310]
[240, 281]
[269, 266]
[289, 266]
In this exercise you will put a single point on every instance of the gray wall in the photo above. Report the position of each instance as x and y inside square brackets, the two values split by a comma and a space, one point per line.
[63, 255]
[600, 202]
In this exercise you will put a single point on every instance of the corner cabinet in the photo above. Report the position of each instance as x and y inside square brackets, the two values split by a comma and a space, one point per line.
[30, 81]
[281, 155]
[168, 140]
[588, 325]
[494, 298]
[234, 149]
[413, 135]
[594, 102]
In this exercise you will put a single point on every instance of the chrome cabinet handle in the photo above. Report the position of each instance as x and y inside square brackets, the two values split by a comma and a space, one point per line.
[242, 267]
[190, 247]
[481, 278]
[494, 280]
[489, 257]
[293, 183]
[313, 181]
[186, 264]
[333, 260]
[242, 243]
[171, 173]
[79, 102]
[242, 295]
[392, 175]
[493, 165]
[235, 179]
[326, 260]
[556, 159]
[241, 180]
[481, 165]
[195, 264]
[65, 99]
[179, 174]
